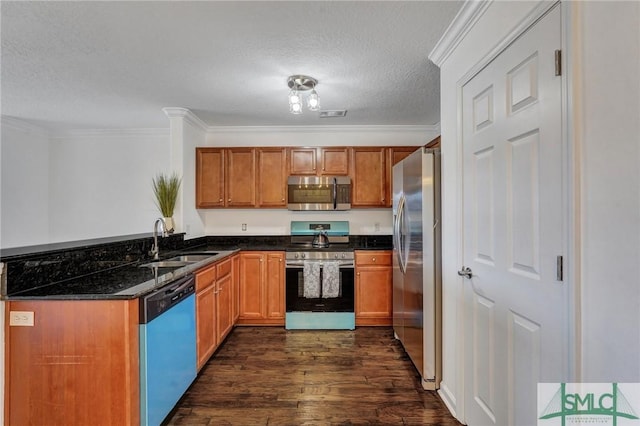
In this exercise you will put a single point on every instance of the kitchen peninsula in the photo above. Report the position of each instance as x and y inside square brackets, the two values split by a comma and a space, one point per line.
[72, 319]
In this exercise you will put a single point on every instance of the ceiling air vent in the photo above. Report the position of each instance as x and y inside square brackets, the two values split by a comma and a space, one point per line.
[333, 113]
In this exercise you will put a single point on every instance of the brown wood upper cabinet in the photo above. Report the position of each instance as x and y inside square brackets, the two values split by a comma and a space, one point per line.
[210, 178]
[272, 177]
[225, 177]
[318, 161]
[257, 177]
[369, 177]
[241, 177]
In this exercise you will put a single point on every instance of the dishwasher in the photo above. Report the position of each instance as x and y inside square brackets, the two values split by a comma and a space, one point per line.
[167, 348]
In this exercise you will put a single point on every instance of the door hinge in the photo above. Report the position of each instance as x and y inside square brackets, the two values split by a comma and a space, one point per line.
[558, 55]
[559, 268]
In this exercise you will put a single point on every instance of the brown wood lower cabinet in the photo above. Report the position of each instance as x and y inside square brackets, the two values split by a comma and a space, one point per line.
[224, 300]
[374, 287]
[77, 365]
[214, 308]
[205, 314]
[261, 288]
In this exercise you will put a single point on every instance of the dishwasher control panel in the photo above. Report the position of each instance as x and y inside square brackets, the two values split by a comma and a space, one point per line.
[154, 304]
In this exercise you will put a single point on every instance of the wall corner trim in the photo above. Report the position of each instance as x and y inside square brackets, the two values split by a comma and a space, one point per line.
[462, 23]
[186, 115]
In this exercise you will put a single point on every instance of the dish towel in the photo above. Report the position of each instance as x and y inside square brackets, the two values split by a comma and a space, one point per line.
[311, 272]
[331, 279]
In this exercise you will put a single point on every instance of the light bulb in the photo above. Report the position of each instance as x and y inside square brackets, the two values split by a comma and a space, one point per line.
[295, 108]
[294, 97]
[313, 102]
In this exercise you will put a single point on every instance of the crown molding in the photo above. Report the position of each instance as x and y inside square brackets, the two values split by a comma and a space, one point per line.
[23, 126]
[466, 18]
[187, 116]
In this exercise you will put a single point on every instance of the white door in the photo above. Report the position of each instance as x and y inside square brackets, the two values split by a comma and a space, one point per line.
[516, 319]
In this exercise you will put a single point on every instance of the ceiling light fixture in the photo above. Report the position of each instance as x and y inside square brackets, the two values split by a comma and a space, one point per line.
[302, 83]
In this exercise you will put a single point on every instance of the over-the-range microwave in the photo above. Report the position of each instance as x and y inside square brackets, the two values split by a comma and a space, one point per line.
[319, 192]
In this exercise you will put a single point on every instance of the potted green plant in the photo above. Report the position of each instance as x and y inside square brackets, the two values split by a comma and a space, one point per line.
[165, 189]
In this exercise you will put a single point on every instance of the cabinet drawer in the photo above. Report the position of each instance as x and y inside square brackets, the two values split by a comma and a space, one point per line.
[205, 277]
[223, 268]
[381, 258]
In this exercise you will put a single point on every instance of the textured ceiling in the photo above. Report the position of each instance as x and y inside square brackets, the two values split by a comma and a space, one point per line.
[112, 65]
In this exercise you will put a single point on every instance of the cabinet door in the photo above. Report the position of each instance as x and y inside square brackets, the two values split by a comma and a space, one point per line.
[240, 177]
[205, 314]
[235, 286]
[274, 281]
[209, 178]
[272, 177]
[374, 287]
[334, 161]
[77, 365]
[302, 161]
[224, 321]
[369, 177]
[251, 292]
[205, 324]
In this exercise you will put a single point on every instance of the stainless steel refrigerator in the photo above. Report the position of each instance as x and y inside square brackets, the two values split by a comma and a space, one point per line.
[417, 279]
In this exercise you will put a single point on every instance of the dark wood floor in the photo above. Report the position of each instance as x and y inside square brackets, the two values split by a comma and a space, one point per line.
[270, 376]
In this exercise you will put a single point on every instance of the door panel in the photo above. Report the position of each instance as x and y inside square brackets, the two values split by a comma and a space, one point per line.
[516, 318]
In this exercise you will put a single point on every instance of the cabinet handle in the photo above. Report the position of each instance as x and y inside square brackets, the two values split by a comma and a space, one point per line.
[220, 200]
[373, 259]
[229, 200]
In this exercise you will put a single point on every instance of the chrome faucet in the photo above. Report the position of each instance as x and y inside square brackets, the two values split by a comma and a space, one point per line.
[155, 250]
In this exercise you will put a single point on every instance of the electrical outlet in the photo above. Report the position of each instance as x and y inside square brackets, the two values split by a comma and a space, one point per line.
[377, 226]
[21, 318]
[244, 226]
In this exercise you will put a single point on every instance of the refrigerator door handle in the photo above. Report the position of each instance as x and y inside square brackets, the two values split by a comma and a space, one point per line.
[399, 220]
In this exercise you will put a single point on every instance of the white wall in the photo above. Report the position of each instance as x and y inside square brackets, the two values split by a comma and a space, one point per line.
[602, 40]
[101, 183]
[610, 185]
[277, 221]
[24, 190]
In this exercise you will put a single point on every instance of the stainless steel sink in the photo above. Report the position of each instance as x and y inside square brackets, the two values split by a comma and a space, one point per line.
[179, 261]
[191, 257]
[165, 264]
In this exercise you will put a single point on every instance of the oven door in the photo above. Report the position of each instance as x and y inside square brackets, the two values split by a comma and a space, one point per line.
[319, 312]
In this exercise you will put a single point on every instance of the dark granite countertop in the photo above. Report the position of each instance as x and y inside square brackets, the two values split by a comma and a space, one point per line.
[127, 281]
[110, 268]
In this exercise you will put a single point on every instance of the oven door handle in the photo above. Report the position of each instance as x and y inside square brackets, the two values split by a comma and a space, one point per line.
[300, 263]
